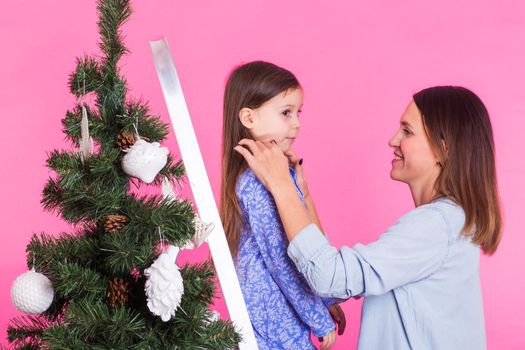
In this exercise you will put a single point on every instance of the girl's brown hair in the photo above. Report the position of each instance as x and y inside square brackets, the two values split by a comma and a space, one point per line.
[248, 86]
[459, 129]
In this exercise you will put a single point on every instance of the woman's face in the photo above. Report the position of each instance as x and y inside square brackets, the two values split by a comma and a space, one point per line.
[414, 160]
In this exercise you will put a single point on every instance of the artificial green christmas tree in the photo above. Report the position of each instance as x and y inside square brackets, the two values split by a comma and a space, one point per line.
[99, 273]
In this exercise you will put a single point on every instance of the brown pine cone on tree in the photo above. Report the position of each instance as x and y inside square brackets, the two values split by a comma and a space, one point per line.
[125, 140]
[117, 292]
[115, 223]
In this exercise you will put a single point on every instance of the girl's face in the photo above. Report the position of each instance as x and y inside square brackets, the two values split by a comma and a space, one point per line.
[277, 119]
[414, 160]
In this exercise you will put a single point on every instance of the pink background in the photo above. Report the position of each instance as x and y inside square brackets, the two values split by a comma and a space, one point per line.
[359, 64]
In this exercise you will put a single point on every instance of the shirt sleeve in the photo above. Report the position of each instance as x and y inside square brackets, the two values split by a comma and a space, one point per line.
[412, 249]
[262, 217]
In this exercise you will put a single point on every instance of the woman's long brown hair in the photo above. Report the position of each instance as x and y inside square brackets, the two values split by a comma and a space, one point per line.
[459, 129]
[248, 86]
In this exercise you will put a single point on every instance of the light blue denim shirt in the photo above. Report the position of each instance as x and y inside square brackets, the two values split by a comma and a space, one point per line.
[420, 280]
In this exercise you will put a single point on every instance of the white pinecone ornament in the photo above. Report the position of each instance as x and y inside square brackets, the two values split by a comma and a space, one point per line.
[32, 292]
[144, 160]
[164, 285]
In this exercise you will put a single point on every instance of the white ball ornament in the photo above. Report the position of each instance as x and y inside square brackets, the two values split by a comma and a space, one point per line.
[164, 285]
[144, 160]
[32, 292]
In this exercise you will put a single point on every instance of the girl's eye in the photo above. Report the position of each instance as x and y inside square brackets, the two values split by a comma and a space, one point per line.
[407, 131]
[286, 113]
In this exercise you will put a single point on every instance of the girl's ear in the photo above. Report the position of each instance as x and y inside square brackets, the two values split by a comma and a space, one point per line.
[246, 116]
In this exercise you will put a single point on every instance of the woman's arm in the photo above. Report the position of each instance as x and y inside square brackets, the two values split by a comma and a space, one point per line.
[411, 250]
[312, 212]
[303, 186]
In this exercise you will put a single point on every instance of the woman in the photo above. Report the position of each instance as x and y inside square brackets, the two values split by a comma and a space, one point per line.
[420, 279]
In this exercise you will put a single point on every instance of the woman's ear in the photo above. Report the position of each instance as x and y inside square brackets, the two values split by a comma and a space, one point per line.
[444, 153]
[246, 116]
[445, 146]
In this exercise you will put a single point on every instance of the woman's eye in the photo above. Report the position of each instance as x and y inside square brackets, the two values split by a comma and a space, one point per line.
[407, 132]
[286, 113]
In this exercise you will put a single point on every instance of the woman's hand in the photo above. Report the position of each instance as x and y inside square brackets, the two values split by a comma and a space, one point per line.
[338, 315]
[267, 162]
[328, 341]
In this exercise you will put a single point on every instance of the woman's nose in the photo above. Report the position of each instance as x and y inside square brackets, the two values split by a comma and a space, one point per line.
[394, 141]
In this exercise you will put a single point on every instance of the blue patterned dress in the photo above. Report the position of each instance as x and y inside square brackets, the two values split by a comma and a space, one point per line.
[282, 307]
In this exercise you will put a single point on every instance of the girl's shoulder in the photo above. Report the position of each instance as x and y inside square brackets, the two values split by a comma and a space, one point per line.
[246, 177]
[247, 180]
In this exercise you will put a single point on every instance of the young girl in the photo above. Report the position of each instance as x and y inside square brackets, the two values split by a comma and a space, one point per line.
[263, 101]
[420, 278]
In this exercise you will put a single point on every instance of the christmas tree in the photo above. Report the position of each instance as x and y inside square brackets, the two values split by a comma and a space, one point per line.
[99, 273]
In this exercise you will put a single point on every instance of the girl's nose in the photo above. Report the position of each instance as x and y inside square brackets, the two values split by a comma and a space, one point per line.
[296, 123]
